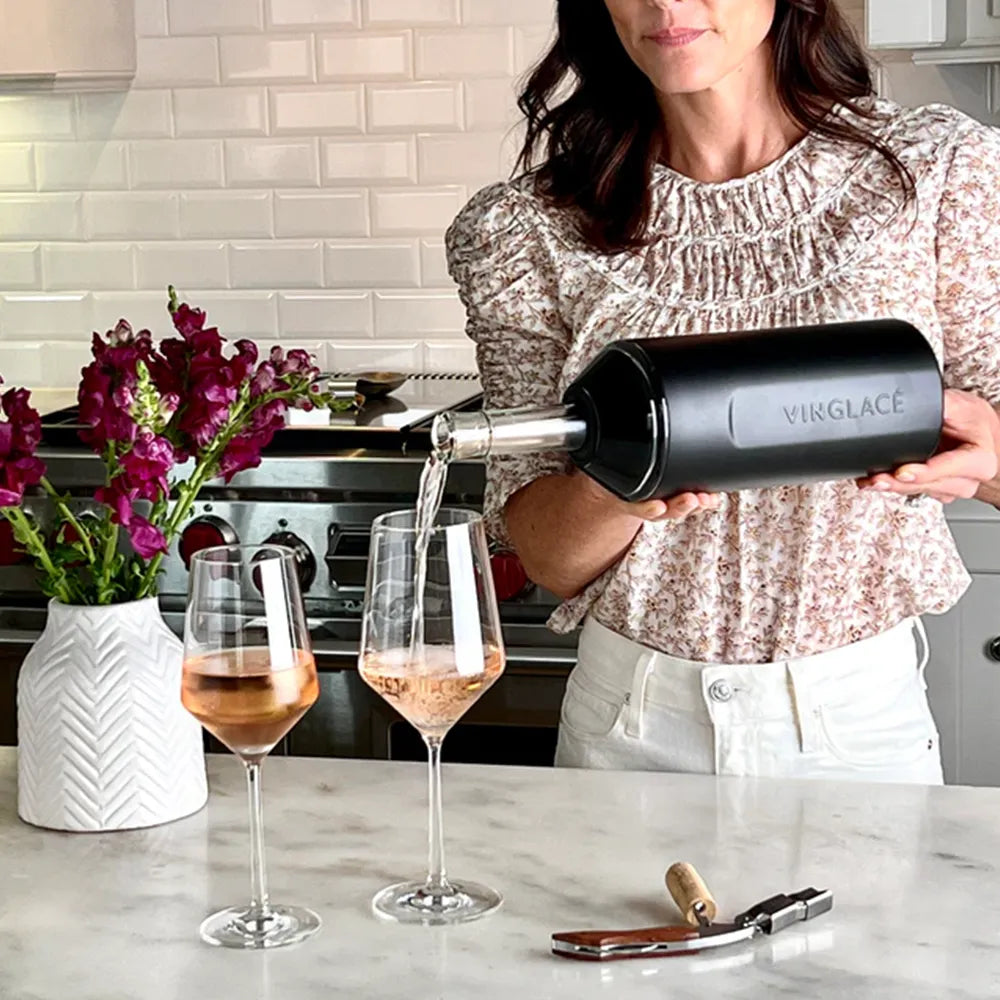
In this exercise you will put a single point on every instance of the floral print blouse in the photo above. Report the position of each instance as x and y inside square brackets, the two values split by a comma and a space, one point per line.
[820, 235]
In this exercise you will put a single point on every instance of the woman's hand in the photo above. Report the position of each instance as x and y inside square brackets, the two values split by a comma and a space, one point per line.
[676, 508]
[967, 457]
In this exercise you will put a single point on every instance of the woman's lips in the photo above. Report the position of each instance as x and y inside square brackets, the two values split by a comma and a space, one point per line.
[677, 37]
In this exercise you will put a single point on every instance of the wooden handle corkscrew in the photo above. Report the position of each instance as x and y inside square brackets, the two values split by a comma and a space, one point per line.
[691, 894]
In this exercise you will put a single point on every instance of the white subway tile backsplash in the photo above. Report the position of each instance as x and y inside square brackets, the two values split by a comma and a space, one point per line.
[40, 217]
[410, 12]
[490, 104]
[373, 160]
[508, 12]
[316, 109]
[17, 167]
[21, 365]
[457, 355]
[63, 361]
[177, 163]
[434, 265]
[372, 264]
[334, 213]
[291, 165]
[530, 44]
[143, 310]
[477, 156]
[151, 17]
[135, 114]
[20, 266]
[241, 313]
[44, 314]
[418, 313]
[417, 212]
[206, 17]
[272, 162]
[230, 214]
[276, 264]
[414, 107]
[130, 215]
[36, 117]
[307, 13]
[84, 267]
[372, 56]
[176, 62]
[220, 111]
[188, 265]
[399, 356]
[266, 59]
[464, 52]
[75, 166]
[325, 314]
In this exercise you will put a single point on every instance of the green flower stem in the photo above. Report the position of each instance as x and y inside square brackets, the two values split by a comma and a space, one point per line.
[188, 494]
[67, 514]
[27, 534]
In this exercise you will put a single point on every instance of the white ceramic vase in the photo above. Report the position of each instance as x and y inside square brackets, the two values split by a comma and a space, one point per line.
[103, 741]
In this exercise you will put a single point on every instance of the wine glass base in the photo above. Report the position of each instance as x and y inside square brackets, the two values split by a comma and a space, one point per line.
[412, 903]
[240, 927]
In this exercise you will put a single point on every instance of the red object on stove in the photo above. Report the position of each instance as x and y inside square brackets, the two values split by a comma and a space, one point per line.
[10, 554]
[203, 533]
[509, 577]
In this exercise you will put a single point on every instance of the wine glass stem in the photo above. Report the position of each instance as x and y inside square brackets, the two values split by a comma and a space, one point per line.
[437, 881]
[259, 902]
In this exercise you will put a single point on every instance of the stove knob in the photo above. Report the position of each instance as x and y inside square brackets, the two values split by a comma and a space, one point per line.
[305, 561]
[509, 578]
[203, 533]
[10, 552]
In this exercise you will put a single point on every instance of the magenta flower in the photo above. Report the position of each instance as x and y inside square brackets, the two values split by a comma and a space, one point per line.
[146, 408]
[20, 435]
[147, 464]
[119, 497]
[108, 384]
[146, 538]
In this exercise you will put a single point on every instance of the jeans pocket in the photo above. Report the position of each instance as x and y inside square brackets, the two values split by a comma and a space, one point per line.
[900, 733]
[588, 713]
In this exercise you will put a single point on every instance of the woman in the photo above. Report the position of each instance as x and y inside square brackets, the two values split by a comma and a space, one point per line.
[713, 165]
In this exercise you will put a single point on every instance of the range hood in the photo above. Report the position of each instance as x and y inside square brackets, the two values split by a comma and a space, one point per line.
[66, 44]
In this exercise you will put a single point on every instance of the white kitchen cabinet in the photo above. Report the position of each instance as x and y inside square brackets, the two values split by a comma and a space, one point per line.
[964, 684]
[942, 31]
[906, 24]
[963, 676]
[66, 43]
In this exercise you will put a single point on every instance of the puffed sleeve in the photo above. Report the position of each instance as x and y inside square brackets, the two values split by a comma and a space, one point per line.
[968, 253]
[506, 277]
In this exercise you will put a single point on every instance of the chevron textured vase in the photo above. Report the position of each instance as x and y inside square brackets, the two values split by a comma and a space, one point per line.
[103, 742]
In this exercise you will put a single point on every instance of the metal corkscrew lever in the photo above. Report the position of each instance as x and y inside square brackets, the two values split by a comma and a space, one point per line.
[700, 933]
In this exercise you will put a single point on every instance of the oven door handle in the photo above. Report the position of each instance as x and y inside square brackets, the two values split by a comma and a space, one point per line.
[19, 636]
[519, 656]
[516, 655]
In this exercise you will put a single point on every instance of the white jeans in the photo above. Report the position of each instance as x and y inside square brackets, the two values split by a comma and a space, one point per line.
[857, 713]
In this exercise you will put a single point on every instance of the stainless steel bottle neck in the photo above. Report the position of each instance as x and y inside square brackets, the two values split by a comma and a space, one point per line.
[458, 436]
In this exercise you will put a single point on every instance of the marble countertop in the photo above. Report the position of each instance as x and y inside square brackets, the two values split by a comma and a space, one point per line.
[115, 917]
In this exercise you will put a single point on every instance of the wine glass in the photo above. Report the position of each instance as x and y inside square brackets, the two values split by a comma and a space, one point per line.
[249, 676]
[431, 651]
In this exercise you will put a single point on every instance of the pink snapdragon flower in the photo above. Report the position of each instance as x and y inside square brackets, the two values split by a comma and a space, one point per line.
[20, 435]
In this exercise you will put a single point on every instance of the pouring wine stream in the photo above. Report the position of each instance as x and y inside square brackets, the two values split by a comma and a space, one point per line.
[432, 481]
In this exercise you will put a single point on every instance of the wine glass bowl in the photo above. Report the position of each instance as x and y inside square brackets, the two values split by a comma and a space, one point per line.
[249, 676]
[431, 651]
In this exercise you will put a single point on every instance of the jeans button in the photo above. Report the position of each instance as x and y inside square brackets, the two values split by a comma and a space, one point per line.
[720, 691]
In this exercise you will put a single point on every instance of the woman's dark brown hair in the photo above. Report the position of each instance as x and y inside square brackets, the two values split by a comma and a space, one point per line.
[600, 141]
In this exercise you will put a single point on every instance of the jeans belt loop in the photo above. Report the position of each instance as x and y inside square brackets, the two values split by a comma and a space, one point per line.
[636, 698]
[807, 712]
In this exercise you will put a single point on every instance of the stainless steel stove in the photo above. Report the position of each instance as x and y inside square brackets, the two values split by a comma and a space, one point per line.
[317, 490]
